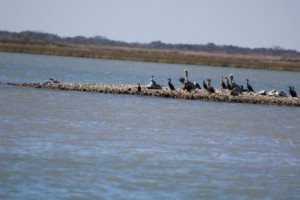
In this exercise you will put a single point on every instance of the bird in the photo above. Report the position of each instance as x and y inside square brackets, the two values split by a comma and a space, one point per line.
[223, 84]
[292, 92]
[187, 85]
[249, 87]
[171, 86]
[139, 87]
[196, 85]
[234, 85]
[209, 87]
[204, 85]
[228, 86]
[54, 80]
[186, 76]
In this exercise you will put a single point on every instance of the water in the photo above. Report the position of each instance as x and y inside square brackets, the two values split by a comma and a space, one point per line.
[75, 145]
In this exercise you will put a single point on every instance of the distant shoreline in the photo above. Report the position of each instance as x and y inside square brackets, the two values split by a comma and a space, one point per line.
[156, 55]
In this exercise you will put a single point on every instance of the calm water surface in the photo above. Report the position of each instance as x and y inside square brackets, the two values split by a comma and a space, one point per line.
[75, 145]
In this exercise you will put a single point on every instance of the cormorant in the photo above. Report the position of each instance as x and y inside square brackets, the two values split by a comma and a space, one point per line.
[234, 85]
[228, 86]
[139, 87]
[171, 86]
[54, 80]
[209, 87]
[196, 85]
[204, 85]
[249, 87]
[292, 91]
[223, 84]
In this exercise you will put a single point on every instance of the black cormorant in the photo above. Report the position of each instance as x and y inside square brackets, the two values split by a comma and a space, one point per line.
[204, 85]
[209, 87]
[223, 84]
[249, 87]
[292, 91]
[171, 86]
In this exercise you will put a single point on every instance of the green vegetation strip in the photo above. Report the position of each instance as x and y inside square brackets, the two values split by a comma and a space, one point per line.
[219, 96]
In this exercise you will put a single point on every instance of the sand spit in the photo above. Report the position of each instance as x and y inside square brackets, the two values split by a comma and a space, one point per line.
[220, 95]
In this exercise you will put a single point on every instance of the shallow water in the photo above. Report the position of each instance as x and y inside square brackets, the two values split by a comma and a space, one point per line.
[66, 144]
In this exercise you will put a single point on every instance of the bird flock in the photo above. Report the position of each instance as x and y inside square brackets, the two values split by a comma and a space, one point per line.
[226, 85]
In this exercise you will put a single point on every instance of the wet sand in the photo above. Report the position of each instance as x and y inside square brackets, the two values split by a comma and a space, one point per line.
[198, 94]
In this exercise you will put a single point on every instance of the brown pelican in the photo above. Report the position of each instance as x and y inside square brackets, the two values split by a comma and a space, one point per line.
[209, 87]
[186, 76]
[249, 87]
[223, 84]
[171, 86]
[187, 85]
[292, 91]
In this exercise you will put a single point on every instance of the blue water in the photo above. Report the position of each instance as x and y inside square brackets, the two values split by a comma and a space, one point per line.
[79, 145]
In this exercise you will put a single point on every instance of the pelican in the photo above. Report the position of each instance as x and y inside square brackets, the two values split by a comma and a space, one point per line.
[209, 87]
[292, 91]
[171, 86]
[223, 84]
[249, 87]
[186, 80]
[187, 85]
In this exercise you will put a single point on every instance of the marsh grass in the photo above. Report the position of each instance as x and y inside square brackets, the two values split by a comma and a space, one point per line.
[154, 55]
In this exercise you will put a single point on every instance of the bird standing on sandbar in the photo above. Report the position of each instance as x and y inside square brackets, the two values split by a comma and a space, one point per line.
[171, 86]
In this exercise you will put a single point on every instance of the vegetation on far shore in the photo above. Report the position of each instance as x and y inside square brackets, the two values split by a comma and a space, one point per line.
[99, 47]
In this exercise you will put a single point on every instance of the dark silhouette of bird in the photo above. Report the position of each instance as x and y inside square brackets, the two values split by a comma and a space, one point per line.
[209, 87]
[171, 86]
[223, 84]
[228, 85]
[292, 91]
[204, 85]
[249, 87]
[234, 85]
[139, 87]
[196, 85]
[54, 80]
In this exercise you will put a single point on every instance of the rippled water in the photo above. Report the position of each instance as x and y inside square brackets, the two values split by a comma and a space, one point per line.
[76, 145]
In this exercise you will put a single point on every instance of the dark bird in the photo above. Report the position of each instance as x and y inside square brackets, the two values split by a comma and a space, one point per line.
[209, 87]
[139, 88]
[249, 87]
[228, 86]
[234, 85]
[204, 85]
[54, 80]
[292, 91]
[196, 85]
[171, 86]
[223, 84]
[242, 88]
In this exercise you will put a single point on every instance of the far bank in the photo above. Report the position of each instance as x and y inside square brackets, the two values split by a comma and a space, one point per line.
[155, 55]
